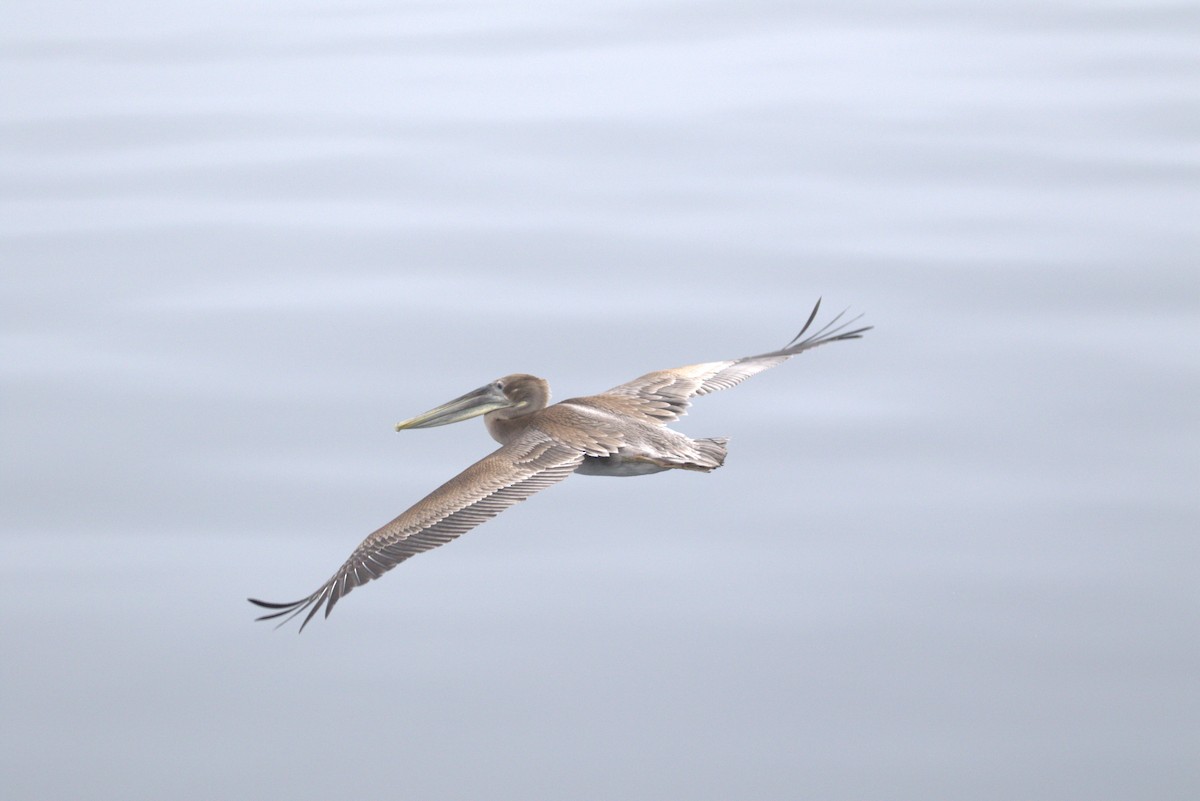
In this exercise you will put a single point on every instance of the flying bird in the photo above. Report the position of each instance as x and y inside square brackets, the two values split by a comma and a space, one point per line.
[620, 432]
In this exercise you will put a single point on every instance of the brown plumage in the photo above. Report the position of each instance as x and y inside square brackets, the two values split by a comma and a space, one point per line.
[621, 432]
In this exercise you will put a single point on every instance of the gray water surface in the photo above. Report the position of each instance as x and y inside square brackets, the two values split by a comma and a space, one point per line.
[955, 560]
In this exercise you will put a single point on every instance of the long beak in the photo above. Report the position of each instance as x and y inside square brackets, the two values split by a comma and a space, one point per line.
[480, 401]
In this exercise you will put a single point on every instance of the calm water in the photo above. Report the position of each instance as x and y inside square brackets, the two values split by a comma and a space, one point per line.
[955, 560]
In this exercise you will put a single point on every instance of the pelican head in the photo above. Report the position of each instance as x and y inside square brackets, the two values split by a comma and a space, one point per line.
[512, 396]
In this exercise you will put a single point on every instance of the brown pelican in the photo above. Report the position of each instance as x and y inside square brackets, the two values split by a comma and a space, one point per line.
[620, 432]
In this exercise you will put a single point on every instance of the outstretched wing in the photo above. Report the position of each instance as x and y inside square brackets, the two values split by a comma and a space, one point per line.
[664, 395]
[482, 491]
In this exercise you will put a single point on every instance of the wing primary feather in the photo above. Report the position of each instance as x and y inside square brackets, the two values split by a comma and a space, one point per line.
[273, 605]
[812, 316]
[830, 332]
[287, 610]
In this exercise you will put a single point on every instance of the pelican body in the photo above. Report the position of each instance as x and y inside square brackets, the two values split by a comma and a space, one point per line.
[620, 432]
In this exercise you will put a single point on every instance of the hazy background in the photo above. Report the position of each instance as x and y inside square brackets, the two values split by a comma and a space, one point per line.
[955, 560]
